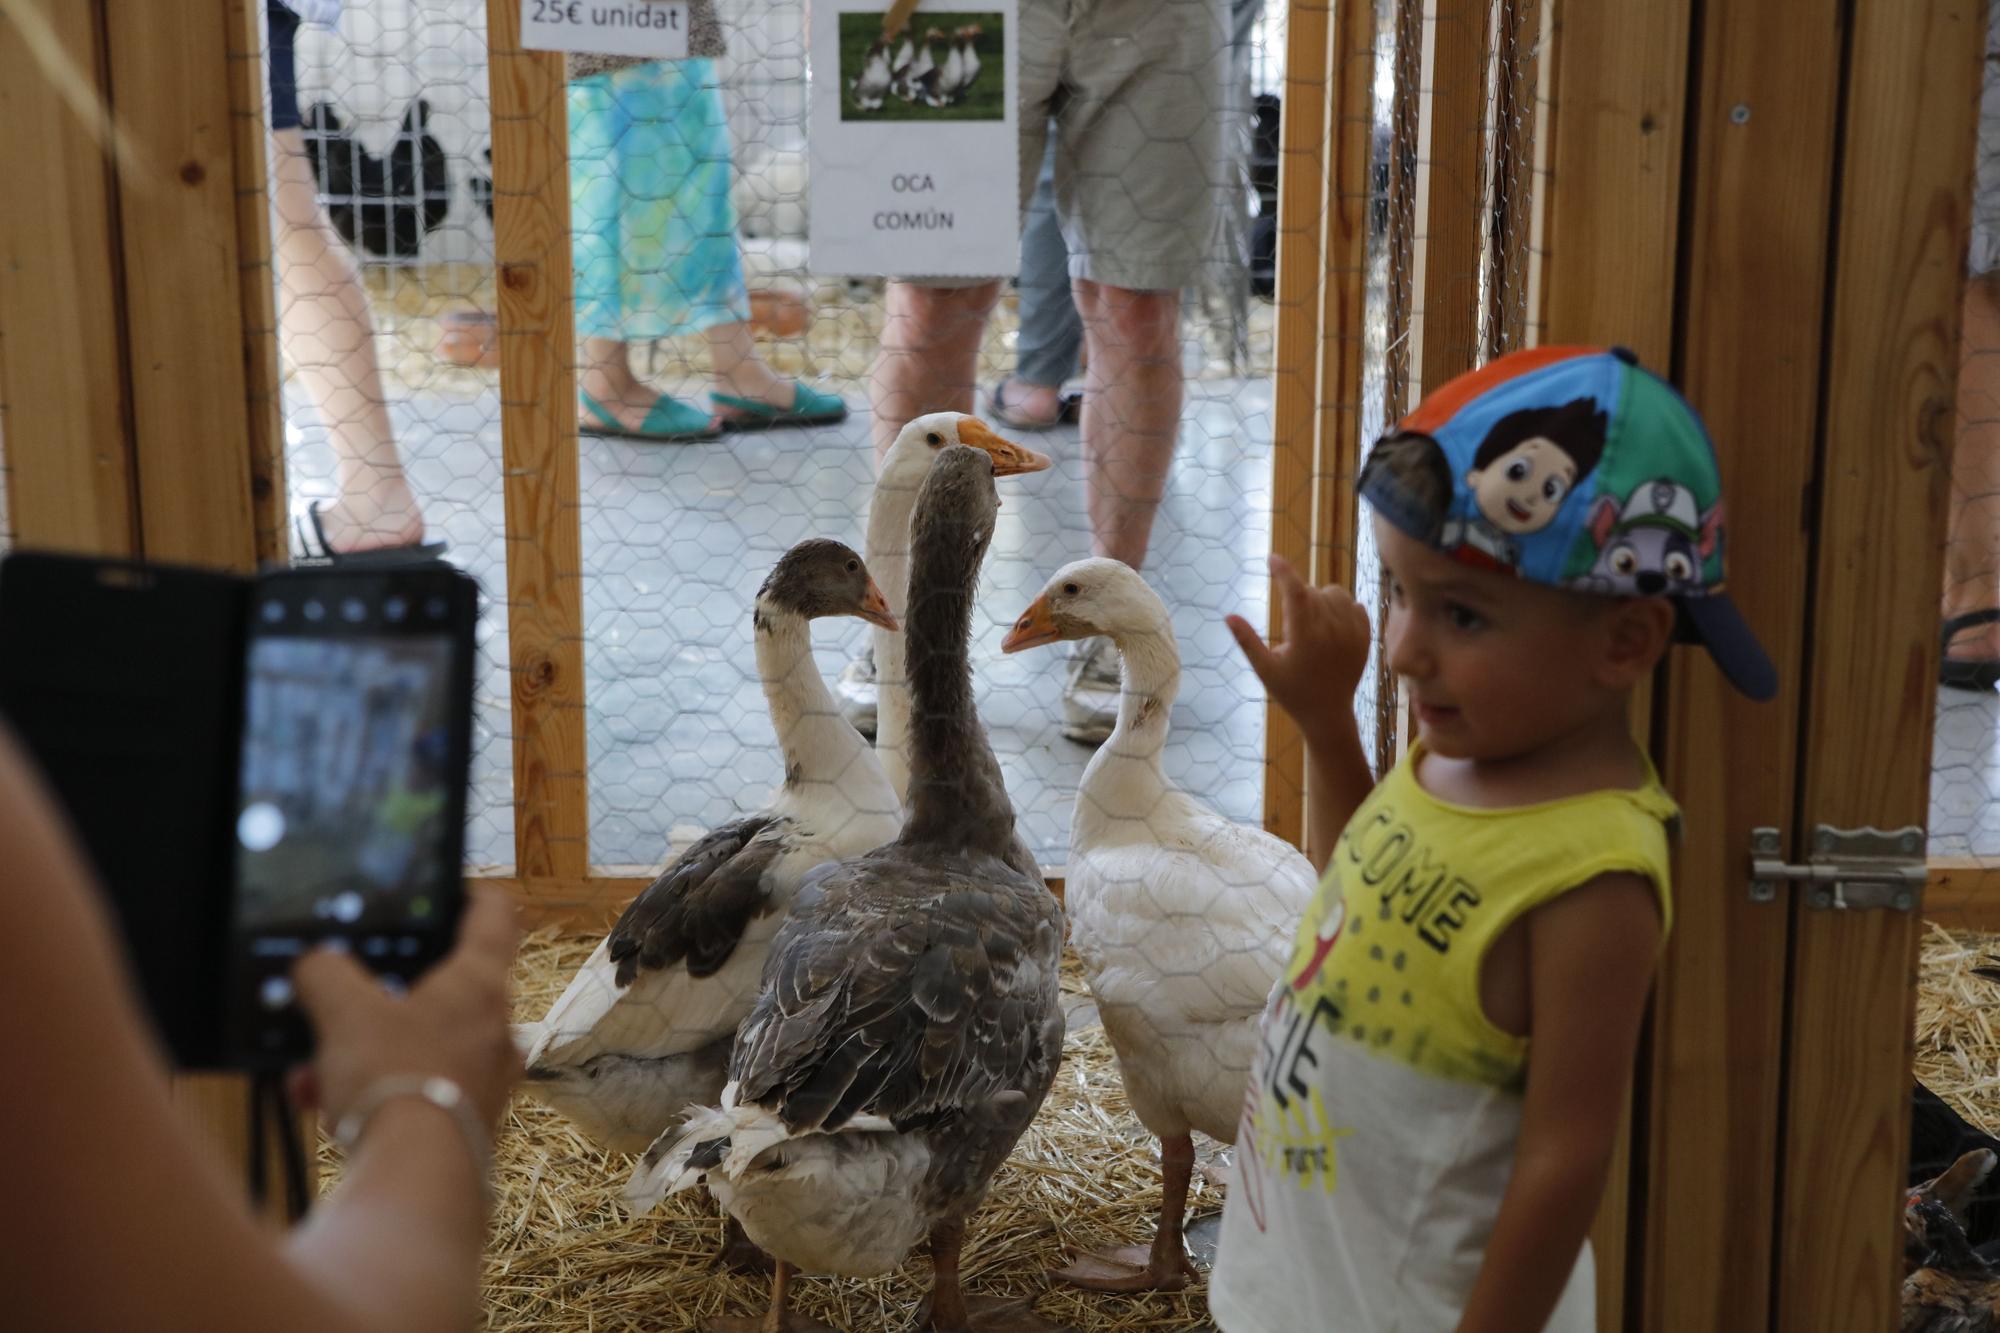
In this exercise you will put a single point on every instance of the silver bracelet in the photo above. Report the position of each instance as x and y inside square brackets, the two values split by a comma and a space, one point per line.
[439, 1091]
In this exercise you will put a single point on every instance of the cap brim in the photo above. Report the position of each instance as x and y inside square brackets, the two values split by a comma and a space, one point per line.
[1727, 636]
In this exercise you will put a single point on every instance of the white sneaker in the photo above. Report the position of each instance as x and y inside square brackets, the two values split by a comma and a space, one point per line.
[1090, 696]
[856, 692]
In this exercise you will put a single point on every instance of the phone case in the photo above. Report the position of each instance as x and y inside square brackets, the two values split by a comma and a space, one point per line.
[123, 681]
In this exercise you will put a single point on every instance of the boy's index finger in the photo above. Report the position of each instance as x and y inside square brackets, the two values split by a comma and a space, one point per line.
[1291, 592]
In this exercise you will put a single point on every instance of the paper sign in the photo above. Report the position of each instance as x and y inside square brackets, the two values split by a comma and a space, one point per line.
[654, 29]
[915, 140]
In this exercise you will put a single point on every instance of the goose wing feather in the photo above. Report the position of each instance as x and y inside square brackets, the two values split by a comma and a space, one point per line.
[695, 912]
[661, 983]
[904, 991]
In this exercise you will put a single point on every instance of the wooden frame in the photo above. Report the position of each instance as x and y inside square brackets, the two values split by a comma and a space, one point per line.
[1891, 367]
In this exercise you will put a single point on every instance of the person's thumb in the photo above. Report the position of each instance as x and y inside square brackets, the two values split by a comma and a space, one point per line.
[1253, 646]
[328, 980]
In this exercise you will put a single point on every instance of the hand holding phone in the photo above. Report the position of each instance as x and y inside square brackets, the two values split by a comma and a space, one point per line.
[453, 1022]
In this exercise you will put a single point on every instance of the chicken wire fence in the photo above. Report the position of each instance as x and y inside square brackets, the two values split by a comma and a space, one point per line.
[708, 157]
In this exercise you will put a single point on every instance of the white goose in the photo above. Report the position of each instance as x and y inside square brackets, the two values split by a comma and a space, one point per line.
[871, 85]
[951, 77]
[643, 1030]
[1181, 918]
[970, 72]
[901, 471]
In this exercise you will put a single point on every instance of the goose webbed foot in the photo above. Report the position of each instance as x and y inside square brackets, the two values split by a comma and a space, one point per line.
[1161, 1266]
[1127, 1268]
[740, 1254]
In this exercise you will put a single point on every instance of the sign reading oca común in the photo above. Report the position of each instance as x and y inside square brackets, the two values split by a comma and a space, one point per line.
[915, 142]
[651, 29]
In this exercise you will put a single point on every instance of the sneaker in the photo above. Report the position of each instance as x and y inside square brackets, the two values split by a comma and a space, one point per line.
[856, 691]
[1090, 696]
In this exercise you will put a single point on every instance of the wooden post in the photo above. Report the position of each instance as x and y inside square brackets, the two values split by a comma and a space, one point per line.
[1302, 174]
[538, 445]
[257, 287]
[1516, 66]
[1344, 211]
[1912, 93]
[1754, 262]
[62, 361]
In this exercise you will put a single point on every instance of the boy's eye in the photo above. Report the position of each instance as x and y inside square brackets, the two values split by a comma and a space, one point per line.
[1395, 592]
[1462, 616]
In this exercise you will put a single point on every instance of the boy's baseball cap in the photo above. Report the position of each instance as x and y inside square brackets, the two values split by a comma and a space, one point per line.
[1574, 467]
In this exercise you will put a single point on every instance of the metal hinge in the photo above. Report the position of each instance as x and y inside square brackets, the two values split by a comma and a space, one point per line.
[1851, 870]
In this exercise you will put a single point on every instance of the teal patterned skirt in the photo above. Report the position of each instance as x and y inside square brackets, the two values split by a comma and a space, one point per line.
[654, 243]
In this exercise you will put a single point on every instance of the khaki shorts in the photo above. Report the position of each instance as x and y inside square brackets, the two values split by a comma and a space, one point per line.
[1135, 90]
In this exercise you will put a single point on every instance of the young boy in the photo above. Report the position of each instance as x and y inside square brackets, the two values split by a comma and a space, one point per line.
[1431, 1115]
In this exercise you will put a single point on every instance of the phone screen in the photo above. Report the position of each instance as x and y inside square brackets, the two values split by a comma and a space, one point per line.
[350, 810]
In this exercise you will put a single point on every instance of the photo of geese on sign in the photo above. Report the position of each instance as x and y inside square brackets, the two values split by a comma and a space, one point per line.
[941, 66]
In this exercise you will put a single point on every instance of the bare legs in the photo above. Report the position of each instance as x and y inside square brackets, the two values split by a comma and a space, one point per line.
[1164, 1265]
[1132, 406]
[929, 353]
[328, 335]
[1131, 411]
[1972, 552]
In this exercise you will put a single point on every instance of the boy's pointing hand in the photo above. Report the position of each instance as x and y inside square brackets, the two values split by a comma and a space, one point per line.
[1314, 670]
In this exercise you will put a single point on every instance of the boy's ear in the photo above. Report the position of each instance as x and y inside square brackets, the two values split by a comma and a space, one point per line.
[1639, 632]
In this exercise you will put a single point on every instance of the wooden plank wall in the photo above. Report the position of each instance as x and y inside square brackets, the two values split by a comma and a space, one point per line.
[1891, 367]
[1754, 259]
[62, 370]
[124, 238]
[538, 446]
[1454, 153]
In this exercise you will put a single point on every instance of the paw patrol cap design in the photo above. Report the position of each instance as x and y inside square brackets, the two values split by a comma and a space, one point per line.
[1574, 467]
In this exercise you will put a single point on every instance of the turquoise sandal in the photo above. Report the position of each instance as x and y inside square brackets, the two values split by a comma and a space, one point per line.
[809, 407]
[668, 421]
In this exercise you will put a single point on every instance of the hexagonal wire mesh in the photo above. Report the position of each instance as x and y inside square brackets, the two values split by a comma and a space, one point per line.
[1957, 1099]
[690, 238]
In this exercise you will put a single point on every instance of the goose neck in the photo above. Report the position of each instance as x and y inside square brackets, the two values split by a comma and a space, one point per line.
[956, 795]
[817, 742]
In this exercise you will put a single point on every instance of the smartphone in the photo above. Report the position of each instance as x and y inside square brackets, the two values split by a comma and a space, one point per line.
[349, 815]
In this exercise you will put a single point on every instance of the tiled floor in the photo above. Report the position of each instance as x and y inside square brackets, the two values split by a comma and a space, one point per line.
[676, 540]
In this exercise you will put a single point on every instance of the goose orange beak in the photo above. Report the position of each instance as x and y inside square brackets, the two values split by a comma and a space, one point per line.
[1009, 459]
[1036, 627]
[875, 608]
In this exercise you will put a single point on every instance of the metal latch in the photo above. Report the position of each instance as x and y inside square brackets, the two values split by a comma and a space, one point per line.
[1851, 870]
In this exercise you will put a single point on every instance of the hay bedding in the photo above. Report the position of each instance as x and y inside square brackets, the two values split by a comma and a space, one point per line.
[1958, 1053]
[564, 1258]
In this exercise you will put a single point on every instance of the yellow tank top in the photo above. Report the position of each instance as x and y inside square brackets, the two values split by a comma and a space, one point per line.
[1418, 890]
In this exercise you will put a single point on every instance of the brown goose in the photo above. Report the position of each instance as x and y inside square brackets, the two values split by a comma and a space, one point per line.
[908, 1028]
